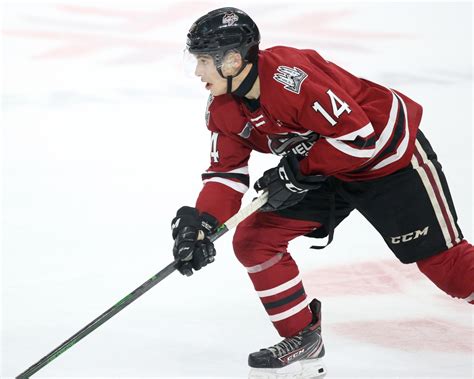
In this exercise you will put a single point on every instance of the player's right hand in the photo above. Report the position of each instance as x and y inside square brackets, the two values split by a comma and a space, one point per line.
[192, 248]
[286, 185]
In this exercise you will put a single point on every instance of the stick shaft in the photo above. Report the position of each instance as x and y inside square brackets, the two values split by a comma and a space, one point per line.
[232, 222]
[89, 328]
[132, 296]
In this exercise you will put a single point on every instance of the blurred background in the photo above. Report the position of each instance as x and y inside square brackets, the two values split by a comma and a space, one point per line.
[103, 139]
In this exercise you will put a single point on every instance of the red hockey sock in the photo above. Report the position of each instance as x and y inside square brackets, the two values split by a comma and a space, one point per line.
[452, 271]
[260, 244]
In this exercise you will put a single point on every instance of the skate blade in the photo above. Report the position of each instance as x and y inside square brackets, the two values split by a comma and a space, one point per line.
[306, 369]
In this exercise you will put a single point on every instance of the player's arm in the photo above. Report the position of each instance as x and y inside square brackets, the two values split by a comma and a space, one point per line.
[224, 184]
[346, 141]
[227, 178]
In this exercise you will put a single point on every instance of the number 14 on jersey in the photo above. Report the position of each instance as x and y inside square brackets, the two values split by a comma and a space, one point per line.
[338, 107]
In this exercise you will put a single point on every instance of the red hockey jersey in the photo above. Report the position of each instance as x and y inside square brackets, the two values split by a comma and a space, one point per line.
[340, 125]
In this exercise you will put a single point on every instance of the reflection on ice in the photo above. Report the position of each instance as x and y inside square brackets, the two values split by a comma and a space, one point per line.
[306, 369]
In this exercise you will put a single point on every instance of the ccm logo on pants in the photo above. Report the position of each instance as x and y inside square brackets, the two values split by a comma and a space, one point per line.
[410, 236]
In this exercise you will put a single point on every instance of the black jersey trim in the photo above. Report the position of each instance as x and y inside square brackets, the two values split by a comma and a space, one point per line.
[395, 141]
[243, 178]
[362, 143]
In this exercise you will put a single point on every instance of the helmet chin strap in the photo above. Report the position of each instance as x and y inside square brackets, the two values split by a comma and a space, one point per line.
[229, 84]
[230, 77]
[248, 82]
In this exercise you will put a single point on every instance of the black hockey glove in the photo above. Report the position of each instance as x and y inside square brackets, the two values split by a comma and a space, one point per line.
[190, 249]
[286, 185]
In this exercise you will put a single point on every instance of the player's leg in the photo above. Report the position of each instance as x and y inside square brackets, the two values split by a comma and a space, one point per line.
[452, 270]
[260, 244]
[413, 210]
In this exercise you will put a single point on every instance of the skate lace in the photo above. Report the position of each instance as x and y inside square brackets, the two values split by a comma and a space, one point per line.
[287, 345]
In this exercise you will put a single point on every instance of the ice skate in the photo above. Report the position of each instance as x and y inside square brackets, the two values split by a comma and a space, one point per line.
[306, 346]
[303, 369]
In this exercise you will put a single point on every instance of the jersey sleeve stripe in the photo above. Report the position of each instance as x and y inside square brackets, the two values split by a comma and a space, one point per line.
[346, 149]
[390, 126]
[400, 130]
[393, 142]
[239, 187]
[365, 131]
[359, 143]
[363, 143]
[240, 170]
[245, 179]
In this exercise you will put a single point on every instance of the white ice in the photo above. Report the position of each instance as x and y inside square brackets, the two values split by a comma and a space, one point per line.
[104, 139]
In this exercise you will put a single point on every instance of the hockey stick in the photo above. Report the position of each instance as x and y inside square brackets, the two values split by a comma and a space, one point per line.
[131, 297]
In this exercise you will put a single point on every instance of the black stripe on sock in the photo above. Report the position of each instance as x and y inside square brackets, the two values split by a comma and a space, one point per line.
[286, 300]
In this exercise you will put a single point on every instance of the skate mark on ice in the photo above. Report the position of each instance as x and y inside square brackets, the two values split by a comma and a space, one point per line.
[365, 278]
[410, 335]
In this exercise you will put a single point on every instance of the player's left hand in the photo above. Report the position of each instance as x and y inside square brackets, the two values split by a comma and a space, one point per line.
[286, 185]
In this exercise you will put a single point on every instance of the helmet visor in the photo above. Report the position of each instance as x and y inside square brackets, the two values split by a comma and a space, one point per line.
[195, 64]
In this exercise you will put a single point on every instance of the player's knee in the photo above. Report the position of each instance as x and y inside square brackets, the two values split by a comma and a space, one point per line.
[452, 270]
[244, 245]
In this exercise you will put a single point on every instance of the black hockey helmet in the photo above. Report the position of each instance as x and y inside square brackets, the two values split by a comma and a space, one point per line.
[223, 30]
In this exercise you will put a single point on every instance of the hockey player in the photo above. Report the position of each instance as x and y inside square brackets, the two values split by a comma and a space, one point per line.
[346, 143]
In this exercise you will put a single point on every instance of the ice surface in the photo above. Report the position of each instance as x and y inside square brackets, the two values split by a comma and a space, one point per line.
[104, 138]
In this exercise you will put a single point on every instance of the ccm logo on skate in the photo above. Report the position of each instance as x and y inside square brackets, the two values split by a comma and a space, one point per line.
[288, 358]
[410, 236]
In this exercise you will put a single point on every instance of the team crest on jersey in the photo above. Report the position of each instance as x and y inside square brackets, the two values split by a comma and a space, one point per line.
[230, 19]
[290, 77]
[245, 133]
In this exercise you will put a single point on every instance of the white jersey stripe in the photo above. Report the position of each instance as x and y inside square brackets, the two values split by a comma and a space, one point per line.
[349, 150]
[388, 129]
[433, 171]
[402, 148]
[290, 312]
[241, 170]
[431, 194]
[239, 187]
[365, 131]
[282, 287]
[267, 264]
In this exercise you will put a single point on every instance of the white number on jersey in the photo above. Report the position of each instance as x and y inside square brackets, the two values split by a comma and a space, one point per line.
[338, 108]
[214, 152]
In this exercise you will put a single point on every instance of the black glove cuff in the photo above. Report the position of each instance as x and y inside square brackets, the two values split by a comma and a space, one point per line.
[190, 217]
[291, 166]
[268, 177]
[209, 223]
